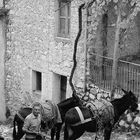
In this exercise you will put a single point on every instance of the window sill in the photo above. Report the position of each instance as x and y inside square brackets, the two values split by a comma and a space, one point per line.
[62, 39]
[37, 92]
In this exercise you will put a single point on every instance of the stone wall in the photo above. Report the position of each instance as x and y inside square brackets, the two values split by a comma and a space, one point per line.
[2, 70]
[101, 43]
[129, 44]
[129, 122]
[32, 44]
[26, 48]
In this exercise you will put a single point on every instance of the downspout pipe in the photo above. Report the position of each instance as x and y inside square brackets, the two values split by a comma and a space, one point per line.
[75, 49]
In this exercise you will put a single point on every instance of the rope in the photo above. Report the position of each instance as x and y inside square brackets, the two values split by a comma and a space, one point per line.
[99, 125]
[103, 113]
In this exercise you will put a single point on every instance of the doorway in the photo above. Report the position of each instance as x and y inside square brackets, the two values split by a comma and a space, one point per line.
[63, 87]
[59, 86]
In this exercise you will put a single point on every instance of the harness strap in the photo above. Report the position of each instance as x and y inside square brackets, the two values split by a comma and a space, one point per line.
[82, 120]
[85, 121]
[20, 117]
[80, 114]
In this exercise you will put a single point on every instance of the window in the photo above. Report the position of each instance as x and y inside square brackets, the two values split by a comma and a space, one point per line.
[64, 18]
[36, 81]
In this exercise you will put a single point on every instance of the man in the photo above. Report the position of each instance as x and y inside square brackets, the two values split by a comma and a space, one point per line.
[32, 123]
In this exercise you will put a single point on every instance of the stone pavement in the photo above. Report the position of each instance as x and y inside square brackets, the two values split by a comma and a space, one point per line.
[6, 132]
[114, 136]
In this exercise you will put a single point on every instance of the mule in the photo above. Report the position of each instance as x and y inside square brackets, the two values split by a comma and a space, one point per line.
[63, 107]
[74, 128]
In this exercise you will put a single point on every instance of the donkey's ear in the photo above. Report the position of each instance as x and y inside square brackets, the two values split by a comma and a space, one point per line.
[130, 91]
[75, 96]
[126, 92]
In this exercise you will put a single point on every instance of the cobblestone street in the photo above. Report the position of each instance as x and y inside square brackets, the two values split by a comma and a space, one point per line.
[6, 132]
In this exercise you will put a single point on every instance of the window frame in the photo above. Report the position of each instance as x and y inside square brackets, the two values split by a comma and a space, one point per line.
[67, 18]
[36, 81]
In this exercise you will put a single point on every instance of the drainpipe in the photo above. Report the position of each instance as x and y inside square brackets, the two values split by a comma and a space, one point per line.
[75, 49]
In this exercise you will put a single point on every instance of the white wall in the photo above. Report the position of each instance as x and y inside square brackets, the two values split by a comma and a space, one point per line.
[1, 3]
[56, 87]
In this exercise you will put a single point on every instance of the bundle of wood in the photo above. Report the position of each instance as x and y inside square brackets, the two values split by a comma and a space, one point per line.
[101, 109]
[51, 113]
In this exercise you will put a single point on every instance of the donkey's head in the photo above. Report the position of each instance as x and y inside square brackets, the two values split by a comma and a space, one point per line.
[132, 100]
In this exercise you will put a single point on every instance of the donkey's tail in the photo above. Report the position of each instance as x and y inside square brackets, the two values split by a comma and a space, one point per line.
[14, 129]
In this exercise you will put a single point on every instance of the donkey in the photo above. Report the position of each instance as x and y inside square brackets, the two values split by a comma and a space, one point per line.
[63, 107]
[74, 127]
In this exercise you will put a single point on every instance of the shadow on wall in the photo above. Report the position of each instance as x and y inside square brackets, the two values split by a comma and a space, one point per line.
[7, 114]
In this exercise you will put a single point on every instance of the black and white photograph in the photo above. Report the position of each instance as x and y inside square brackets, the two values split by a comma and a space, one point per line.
[69, 69]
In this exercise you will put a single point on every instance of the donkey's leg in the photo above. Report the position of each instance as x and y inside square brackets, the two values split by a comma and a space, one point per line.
[67, 132]
[73, 133]
[59, 126]
[77, 132]
[76, 135]
[107, 132]
[20, 132]
[53, 130]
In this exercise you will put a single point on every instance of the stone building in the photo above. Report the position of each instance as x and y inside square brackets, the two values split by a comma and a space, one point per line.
[37, 51]
[37, 44]
[2, 64]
